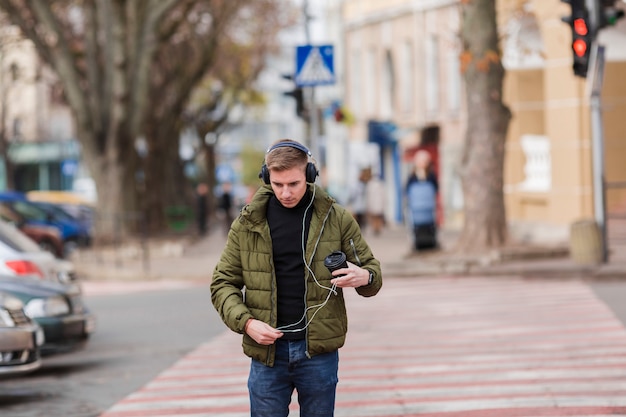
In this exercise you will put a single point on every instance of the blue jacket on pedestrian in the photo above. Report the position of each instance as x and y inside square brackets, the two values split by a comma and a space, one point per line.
[422, 199]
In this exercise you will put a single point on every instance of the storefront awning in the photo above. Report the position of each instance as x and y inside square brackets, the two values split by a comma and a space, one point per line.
[38, 152]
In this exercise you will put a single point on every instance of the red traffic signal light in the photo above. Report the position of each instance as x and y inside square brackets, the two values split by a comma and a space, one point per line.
[580, 27]
[580, 47]
[582, 35]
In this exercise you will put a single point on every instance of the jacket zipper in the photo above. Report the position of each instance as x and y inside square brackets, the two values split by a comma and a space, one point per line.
[272, 313]
[306, 288]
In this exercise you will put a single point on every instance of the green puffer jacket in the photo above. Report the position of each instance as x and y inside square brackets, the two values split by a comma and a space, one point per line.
[244, 283]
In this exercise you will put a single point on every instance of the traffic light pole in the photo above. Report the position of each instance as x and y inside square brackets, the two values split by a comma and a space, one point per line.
[313, 130]
[597, 143]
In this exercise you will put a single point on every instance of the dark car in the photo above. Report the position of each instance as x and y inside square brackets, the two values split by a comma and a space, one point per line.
[47, 237]
[20, 338]
[73, 232]
[58, 308]
[61, 212]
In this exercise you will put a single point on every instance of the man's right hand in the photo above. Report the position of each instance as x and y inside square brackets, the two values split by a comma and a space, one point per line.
[261, 332]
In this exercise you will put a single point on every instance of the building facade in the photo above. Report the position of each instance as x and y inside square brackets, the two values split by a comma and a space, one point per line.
[402, 68]
[36, 126]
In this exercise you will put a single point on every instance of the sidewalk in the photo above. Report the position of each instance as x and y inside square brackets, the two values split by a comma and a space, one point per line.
[191, 258]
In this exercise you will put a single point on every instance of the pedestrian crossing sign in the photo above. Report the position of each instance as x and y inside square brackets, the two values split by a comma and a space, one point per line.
[314, 65]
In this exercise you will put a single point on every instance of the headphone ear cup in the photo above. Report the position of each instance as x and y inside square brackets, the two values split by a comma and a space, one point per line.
[311, 172]
[264, 174]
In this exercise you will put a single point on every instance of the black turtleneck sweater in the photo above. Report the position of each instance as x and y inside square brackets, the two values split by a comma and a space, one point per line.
[286, 226]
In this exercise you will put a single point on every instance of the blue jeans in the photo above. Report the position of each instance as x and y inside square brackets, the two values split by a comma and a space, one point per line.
[314, 379]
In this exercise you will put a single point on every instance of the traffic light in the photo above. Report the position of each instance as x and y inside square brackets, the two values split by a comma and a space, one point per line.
[582, 35]
[298, 94]
[608, 14]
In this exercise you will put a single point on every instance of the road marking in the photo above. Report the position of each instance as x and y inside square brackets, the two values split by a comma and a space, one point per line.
[443, 347]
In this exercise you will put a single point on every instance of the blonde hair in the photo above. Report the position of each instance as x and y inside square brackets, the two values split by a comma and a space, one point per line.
[286, 157]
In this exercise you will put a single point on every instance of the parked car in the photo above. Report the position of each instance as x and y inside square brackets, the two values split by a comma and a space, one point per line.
[47, 237]
[73, 232]
[58, 308]
[63, 213]
[20, 338]
[71, 202]
[20, 256]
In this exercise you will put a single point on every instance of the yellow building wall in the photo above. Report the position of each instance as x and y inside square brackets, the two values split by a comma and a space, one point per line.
[551, 101]
[614, 117]
[523, 93]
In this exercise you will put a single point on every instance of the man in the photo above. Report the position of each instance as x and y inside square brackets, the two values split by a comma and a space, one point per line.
[292, 313]
[421, 192]
[226, 205]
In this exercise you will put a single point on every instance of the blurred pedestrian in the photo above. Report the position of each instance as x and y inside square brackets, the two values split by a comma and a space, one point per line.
[202, 191]
[421, 193]
[376, 204]
[226, 205]
[357, 200]
[273, 284]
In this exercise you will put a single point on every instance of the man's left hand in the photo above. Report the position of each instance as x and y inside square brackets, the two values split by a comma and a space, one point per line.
[352, 276]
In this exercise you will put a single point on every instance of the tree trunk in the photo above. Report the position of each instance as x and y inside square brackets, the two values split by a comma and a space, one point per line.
[482, 168]
[108, 175]
[166, 186]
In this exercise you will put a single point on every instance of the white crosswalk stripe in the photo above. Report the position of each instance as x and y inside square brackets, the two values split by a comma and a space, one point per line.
[443, 347]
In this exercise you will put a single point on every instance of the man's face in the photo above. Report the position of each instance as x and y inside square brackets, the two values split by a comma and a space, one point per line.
[289, 186]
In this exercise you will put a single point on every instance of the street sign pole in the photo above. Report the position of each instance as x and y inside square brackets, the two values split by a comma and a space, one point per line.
[597, 142]
[314, 66]
[313, 130]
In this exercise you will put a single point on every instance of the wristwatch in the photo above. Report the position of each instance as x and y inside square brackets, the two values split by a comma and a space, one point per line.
[371, 280]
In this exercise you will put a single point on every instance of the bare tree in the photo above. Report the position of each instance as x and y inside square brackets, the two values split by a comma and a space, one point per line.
[9, 73]
[482, 166]
[127, 67]
[197, 89]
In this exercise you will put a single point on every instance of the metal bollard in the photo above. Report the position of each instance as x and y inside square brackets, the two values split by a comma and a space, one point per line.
[585, 242]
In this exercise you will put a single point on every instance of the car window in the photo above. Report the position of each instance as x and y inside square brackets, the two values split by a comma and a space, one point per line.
[30, 211]
[57, 211]
[13, 237]
[9, 215]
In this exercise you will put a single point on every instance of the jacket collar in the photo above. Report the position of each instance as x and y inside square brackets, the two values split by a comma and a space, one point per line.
[254, 213]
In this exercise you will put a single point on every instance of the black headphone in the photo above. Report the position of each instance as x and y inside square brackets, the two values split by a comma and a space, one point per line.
[311, 170]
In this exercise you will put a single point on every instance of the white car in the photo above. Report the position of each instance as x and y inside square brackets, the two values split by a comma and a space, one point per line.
[20, 338]
[20, 256]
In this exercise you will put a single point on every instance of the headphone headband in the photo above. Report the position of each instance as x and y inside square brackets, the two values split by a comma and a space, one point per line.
[311, 171]
[296, 145]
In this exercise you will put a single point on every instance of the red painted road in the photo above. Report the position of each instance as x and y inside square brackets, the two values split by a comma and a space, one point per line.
[441, 347]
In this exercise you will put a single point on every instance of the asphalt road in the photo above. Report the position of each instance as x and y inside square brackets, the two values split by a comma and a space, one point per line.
[137, 336]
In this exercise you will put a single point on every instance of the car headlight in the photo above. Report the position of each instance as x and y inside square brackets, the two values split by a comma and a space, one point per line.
[5, 319]
[9, 303]
[46, 307]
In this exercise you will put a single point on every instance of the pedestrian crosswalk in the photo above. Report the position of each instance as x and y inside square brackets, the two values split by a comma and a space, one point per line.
[440, 347]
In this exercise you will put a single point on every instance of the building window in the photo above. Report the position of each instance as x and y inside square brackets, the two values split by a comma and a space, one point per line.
[17, 129]
[538, 167]
[432, 74]
[370, 82]
[356, 98]
[454, 81]
[406, 71]
[388, 87]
